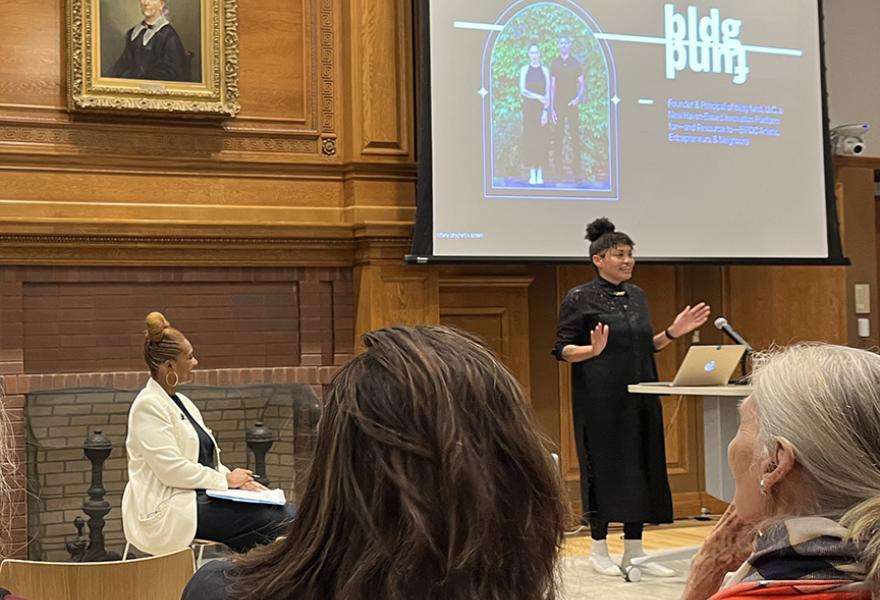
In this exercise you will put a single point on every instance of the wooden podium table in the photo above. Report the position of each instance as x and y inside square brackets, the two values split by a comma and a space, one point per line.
[720, 422]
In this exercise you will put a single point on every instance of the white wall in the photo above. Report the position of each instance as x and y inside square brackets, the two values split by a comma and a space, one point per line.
[852, 53]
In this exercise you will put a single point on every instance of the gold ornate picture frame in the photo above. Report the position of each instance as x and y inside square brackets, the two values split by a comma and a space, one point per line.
[153, 56]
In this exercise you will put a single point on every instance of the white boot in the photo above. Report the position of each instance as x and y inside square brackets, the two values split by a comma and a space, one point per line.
[634, 549]
[532, 179]
[601, 561]
[539, 176]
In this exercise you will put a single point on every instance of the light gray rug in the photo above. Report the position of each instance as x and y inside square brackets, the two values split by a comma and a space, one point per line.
[580, 582]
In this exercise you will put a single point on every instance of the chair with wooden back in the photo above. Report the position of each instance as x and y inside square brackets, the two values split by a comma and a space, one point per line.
[160, 577]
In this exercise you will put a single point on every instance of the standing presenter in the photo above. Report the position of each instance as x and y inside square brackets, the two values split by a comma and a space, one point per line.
[605, 331]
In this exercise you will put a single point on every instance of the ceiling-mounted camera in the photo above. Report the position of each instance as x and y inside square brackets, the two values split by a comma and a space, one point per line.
[848, 139]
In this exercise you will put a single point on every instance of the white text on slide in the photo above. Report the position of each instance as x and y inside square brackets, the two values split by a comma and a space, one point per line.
[704, 45]
[721, 123]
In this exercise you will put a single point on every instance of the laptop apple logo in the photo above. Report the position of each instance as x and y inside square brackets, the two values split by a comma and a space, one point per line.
[709, 366]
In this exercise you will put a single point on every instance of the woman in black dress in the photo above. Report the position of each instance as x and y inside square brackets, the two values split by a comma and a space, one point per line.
[153, 49]
[605, 330]
[534, 85]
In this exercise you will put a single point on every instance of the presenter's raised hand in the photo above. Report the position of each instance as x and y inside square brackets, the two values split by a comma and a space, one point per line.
[238, 478]
[690, 318]
[598, 338]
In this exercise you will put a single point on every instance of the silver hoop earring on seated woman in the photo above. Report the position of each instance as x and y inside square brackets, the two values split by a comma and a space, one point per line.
[176, 379]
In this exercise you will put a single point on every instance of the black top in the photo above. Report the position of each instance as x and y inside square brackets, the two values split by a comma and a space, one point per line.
[206, 444]
[162, 58]
[209, 582]
[535, 80]
[619, 435]
[566, 73]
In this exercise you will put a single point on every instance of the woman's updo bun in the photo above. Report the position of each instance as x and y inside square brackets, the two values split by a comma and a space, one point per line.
[162, 342]
[156, 325]
[603, 236]
[598, 228]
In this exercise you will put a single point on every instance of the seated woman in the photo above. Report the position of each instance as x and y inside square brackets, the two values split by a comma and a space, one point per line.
[173, 459]
[806, 462]
[429, 481]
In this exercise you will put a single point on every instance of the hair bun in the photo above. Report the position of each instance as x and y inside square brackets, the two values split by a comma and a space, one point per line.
[598, 228]
[156, 324]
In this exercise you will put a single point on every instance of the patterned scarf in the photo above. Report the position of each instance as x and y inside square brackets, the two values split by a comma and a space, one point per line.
[800, 557]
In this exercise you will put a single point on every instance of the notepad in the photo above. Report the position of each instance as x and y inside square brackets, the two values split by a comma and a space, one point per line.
[275, 496]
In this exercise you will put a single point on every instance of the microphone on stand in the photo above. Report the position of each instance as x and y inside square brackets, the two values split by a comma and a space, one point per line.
[722, 324]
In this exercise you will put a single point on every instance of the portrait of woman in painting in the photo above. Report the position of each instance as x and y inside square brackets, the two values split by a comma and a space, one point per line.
[151, 49]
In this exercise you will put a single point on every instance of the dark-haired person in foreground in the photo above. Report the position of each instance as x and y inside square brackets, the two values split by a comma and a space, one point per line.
[429, 481]
[805, 461]
[605, 331]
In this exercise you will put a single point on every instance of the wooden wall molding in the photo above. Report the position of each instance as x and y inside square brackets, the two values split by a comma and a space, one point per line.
[28, 249]
[486, 281]
[89, 243]
[327, 37]
[45, 158]
[164, 141]
[271, 144]
[381, 77]
[382, 244]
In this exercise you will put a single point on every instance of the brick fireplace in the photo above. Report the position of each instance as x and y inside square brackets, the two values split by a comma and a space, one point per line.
[71, 361]
[59, 420]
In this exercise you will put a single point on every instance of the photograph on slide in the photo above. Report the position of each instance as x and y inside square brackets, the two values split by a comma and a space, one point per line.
[549, 110]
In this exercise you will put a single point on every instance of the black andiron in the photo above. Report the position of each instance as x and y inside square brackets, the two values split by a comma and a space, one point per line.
[97, 448]
[77, 548]
[259, 439]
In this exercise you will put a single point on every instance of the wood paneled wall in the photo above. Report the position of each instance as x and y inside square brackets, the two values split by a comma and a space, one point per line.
[323, 147]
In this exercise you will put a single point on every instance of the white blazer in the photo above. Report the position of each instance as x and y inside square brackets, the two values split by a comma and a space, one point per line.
[159, 513]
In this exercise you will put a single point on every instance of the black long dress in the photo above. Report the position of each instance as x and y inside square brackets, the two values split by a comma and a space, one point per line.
[619, 435]
[163, 57]
[535, 141]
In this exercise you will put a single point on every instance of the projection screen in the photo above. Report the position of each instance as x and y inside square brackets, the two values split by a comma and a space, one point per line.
[699, 128]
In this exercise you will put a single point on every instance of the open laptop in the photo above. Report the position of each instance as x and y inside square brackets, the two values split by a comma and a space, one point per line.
[707, 365]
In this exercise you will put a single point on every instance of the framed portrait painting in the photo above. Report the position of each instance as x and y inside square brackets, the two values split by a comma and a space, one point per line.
[154, 56]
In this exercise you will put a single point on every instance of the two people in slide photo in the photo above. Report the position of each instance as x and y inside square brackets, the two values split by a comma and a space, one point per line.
[551, 111]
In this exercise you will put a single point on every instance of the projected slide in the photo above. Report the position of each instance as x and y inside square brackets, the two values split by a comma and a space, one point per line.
[695, 126]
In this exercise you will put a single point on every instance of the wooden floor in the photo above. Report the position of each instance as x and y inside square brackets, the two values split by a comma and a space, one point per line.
[677, 535]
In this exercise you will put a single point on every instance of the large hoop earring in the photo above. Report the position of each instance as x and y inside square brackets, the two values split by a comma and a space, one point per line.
[176, 379]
